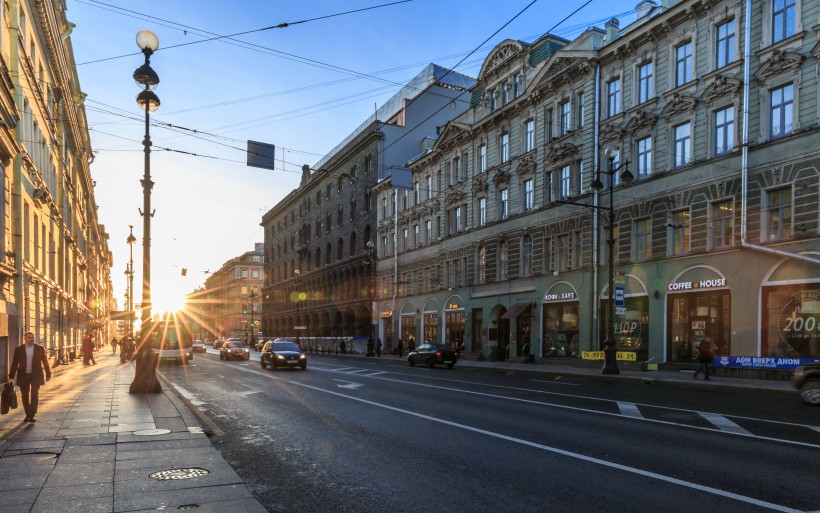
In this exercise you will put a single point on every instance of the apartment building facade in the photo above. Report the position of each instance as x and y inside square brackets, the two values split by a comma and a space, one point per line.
[713, 109]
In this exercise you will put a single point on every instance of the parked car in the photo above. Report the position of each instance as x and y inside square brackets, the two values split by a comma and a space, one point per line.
[218, 343]
[806, 379]
[432, 354]
[198, 346]
[282, 353]
[233, 350]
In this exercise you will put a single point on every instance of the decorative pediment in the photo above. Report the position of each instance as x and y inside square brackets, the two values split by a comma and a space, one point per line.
[479, 185]
[526, 167]
[501, 176]
[777, 175]
[723, 85]
[561, 151]
[611, 133]
[454, 198]
[680, 104]
[779, 62]
[502, 53]
[642, 119]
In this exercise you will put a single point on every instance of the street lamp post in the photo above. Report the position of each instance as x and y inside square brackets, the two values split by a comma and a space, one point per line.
[131, 240]
[145, 76]
[251, 296]
[371, 264]
[298, 297]
[610, 351]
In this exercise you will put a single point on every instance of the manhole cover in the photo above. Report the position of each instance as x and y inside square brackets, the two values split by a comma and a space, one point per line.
[178, 473]
[152, 432]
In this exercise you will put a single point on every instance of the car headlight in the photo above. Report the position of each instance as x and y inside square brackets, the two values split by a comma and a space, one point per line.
[280, 357]
[246, 350]
[302, 357]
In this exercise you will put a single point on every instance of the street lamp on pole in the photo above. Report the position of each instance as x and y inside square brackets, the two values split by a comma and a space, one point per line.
[610, 351]
[251, 296]
[145, 76]
[371, 264]
[131, 240]
[298, 298]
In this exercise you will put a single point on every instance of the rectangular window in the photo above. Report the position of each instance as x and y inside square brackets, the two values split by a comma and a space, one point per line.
[428, 231]
[550, 127]
[645, 82]
[527, 195]
[505, 93]
[493, 99]
[428, 180]
[503, 204]
[644, 157]
[566, 182]
[518, 85]
[614, 97]
[529, 135]
[548, 188]
[566, 115]
[579, 105]
[782, 110]
[783, 13]
[564, 252]
[481, 214]
[683, 144]
[722, 224]
[416, 197]
[458, 220]
[683, 63]
[404, 240]
[725, 44]
[457, 170]
[482, 158]
[416, 239]
[504, 150]
[643, 239]
[724, 130]
[780, 214]
[680, 233]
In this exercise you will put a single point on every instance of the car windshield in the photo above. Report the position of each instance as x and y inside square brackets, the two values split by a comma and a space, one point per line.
[237, 345]
[285, 346]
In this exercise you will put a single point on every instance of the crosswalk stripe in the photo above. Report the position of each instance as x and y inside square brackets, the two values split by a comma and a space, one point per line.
[630, 410]
[724, 424]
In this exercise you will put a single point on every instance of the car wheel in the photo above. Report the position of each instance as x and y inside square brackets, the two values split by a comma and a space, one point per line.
[810, 392]
[450, 365]
[221, 356]
[430, 362]
[303, 366]
[411, 362]
[262, 362]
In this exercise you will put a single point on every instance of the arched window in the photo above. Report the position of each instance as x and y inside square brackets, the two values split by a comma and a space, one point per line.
[526, 256]
[502, 261]
[482, 264]
[340, 244]
[318, 258]
[352, 243]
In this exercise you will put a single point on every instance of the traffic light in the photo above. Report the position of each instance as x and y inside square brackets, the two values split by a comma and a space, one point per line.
[244, 309]
[252, 323]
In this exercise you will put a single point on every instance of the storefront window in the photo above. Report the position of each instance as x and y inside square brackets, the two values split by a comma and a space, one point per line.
[694, 316]
[387, 322]
[454, 329]
[631, 329]
[408, 329]
[561, 330]
[431, 327]
[791, 321]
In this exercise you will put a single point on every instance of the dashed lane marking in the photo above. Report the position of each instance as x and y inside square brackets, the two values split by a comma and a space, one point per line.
[724, 424]
[630, 410]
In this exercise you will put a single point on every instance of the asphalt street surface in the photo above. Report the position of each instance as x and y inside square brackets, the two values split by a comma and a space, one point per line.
[375, 435]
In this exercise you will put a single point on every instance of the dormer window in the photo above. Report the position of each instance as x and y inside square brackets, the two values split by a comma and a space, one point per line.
[505, 93]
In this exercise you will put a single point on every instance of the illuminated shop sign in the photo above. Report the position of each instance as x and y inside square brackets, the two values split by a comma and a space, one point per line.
[702, 284]
[453, 306]
[386, 313]
[762, 362]
[563, 296]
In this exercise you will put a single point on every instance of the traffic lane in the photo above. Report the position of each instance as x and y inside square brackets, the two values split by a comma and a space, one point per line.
[727, 402]
[707, 459]
[550, 430]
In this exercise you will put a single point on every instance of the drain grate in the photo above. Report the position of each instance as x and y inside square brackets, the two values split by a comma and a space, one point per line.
[179, 473]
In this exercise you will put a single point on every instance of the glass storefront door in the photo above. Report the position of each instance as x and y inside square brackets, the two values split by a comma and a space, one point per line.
[694, 316]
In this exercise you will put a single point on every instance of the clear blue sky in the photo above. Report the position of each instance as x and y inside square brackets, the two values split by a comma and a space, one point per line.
[293, 87]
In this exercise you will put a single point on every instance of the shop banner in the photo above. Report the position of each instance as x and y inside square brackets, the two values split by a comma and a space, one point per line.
[762, 362]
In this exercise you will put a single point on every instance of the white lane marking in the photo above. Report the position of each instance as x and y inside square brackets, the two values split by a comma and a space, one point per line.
[556, 382]
[630, 410]
[247, 393]
[724, 424]
[815, 428]
[569, 454]
[349, 384]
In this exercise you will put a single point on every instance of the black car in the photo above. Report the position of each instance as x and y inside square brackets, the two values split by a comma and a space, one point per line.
[198, 347]
[279, 353]
[231, 350]
[807, 380]
[432, 354]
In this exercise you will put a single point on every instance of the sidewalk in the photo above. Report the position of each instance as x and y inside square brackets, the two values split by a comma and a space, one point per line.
[95, 447]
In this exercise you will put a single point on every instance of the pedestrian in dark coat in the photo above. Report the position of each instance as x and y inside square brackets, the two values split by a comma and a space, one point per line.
[400, 347]
[411, 345]
[369, 347]
[378, 347]
[88, 350]
[705, 356]
[30, 366]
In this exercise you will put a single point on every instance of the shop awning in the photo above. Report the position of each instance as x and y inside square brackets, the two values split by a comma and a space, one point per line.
[515, 310]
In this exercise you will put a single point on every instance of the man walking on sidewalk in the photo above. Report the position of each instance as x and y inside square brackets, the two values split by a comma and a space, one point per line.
[28, 365]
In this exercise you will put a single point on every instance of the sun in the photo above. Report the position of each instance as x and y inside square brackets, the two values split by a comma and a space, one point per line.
[164, 300]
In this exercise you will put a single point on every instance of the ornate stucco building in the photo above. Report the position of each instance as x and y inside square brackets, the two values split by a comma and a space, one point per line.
[713, 109]
[55, 262]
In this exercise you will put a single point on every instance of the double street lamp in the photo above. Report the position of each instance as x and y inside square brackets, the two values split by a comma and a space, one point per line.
[145, 76]
[129, 299]
[610, 351]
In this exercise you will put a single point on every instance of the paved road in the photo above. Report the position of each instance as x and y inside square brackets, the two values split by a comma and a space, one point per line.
[376, 435]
